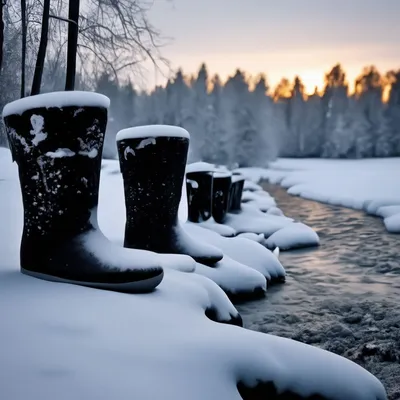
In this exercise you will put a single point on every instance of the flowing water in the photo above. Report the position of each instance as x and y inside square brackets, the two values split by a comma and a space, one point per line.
[343, 296]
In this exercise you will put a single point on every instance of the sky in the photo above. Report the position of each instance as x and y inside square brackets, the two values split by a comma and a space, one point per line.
[281, 38]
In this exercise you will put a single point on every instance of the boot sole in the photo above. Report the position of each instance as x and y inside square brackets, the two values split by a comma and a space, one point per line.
[142, 286]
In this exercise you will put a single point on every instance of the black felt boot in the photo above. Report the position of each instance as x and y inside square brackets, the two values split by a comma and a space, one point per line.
[200, 200]
[153, 161]
[57, 141]
[221, 190]
[236, 192]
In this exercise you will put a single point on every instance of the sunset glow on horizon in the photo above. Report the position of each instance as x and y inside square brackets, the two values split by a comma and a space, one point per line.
[280, 39]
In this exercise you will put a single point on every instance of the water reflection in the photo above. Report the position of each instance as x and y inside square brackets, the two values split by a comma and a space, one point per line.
[341, 295]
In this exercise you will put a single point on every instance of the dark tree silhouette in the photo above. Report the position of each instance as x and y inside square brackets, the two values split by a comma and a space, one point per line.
[23, 50]
[2, 4]
[73, 16]
[37, 77]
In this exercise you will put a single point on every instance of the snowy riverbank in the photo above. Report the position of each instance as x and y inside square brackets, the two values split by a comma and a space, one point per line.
[369, 184]
[68, 341]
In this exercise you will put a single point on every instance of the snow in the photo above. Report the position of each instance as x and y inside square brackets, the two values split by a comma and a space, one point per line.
[221, 229]
[251, 219]
[91, 154]
[248, 252]
[68, 341]
[37, 122]
[366, 184]
[200, 166]
[253, 174]
[275, 211]
[237, 178]
[388, 211]
[259, 238]
[221, 174]
[293, 236]
[249, 185]
[56, 99]
[259, 199]
[392, 223]
[234, 277]
[60, 153]
[152, 131]
[108, 252]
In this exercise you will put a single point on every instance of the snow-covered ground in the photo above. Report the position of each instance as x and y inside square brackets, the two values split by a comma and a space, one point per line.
[60, 341]
[369, 184]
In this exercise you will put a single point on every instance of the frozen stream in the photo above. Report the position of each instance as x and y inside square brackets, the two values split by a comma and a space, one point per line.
[343, 296]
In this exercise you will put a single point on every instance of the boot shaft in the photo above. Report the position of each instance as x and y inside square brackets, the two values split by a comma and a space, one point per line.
[200, 202]
[58, 152]
[153, 170]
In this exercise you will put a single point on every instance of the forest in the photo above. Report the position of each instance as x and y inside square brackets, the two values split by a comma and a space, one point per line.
[241, 121]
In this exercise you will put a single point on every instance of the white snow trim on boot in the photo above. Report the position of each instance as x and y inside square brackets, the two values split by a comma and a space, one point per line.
[146, 131]
[200, 166]
[221, 174]
[56, 100]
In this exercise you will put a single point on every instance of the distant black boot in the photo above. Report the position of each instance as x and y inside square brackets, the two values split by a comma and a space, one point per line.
[200, 195]
[221, 191]
[153, 161]
[236, 192]
[57, 141]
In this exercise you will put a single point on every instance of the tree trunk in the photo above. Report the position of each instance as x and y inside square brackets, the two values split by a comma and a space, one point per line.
[37, 78]
[1, 33]
[23, 50]
[73, 16]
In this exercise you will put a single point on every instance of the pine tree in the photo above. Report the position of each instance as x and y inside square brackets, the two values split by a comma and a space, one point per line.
[393, 111]
[313, 130]
[335, 104]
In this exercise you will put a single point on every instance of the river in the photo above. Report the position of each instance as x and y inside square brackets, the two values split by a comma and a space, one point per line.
[342, 296]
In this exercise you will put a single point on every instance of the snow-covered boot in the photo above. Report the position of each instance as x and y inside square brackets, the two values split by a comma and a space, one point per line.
[221, 189]
[236, 192]
[57, 141]
[200, 200]
[153, 161]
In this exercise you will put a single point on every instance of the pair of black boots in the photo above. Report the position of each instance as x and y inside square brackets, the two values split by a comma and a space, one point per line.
[57, 142]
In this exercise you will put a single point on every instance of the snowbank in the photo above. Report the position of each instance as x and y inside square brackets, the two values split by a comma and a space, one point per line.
[245, 251]
[67, 341]
[293, 236]
[367, 184]
[251, 219]
[56, 99]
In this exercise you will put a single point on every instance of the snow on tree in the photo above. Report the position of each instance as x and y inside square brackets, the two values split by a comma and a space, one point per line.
[122, 109]
[266, 119]
[385, 145]
[202, 135]
[369, 96]
[313, 128]
[393, 111]
[281, 97]
[335, 103]
[297, 110]
[246, 142]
